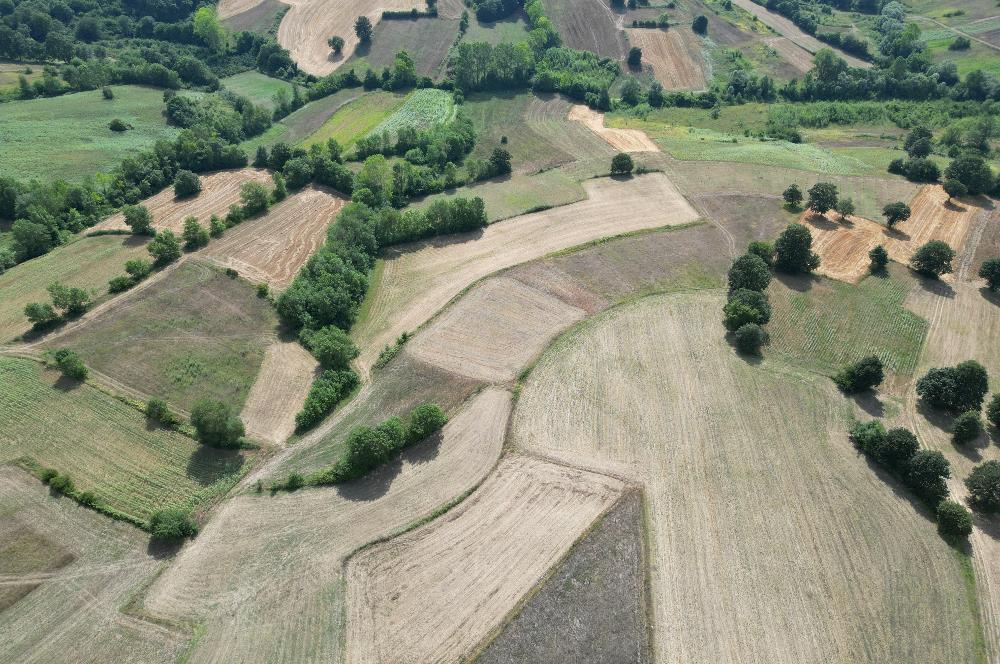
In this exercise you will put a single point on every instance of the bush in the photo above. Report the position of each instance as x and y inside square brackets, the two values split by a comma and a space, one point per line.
[172, 525]
[983, 484]
[700, 24]
[138, 268]
[424, 421]
[763, 250]
[137, 218]
[926, 473]
[750, 272]
[960, 44]
[41, 315]
[186, 184]
[879, 258]
[990, 271]
[869, 437]
[634, 58]
[954, 520]
[331, 346]
[119, 125]
[195, 236]
[933, 259]
[216, 226]
[107, 93]
[215, 425]
[860, 376]
[793, 250]
[749, 338]
[71, 300]
[62, 483]
[294, 482]
[967, 427]
[621, 164]
[326, 392]
[254, 198]
[70, 364]
[158, 411]
[336, 43]
[746, 306]
[120, 283]
[87, 499]
[164, 248]
[792, 196]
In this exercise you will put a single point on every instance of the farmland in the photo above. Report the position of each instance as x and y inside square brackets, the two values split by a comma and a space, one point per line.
[356, 119]
[589, 26]
[280, 388]
[426, 40]
[674, 56]
[256, 87]
[422, 110]
[300, 124]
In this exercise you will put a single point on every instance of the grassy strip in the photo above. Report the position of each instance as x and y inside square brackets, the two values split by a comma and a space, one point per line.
[972, 596]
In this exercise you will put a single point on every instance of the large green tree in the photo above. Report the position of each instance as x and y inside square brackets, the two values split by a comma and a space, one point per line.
[793, 250]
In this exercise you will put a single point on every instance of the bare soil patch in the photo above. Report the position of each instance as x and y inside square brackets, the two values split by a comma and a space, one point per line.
[623, 140]
[434, 594]
[255, 18]
[674, 55]
[229, 8]
[279, 391]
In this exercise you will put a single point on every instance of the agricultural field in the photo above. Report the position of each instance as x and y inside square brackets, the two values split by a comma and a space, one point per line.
[190, 333]
[253, 16]
[673, 55]
[621, 139]
[427, 41]
[256, 87]
[68, 138]
[277, 394]
[302, 123]
[356, 119]
[424, 109]
[589, 26]
[509, 30]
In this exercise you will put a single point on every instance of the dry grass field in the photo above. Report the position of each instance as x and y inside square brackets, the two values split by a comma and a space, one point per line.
[219, 190]
[589, 25]
[279, 391]
[697, 424]
[265, 575]
[417, 281]
[674, 56]
[623, 140]
[797, 57]
[270, 249]
[432, 595]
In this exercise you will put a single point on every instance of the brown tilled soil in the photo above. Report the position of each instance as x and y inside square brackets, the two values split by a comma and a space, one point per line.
[674, 55]
[278, 392]
[271, 249]
[434, 594]
[218, 191]
[623, 140]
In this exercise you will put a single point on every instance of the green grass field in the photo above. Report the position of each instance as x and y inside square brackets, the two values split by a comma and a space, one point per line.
[10, 72]
[87, 263]
[510, 30]
[105, 445]
[356, 119]
[423, 109]
[256, 87]
[301, 124]
[68, 138]
[194, 334]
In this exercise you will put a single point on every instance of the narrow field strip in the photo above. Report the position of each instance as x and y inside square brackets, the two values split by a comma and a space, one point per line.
[279, 391]
[623, 140]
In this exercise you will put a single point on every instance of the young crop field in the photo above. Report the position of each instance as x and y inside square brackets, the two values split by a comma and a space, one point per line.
[427, 40]
[193, 334]
[104, 445]
[356, 119]
[423, 109]
[652, 390]
[674, 56]
[437, 592]
[87, 263]
[301, 124]
[68, 138]
[257, 87]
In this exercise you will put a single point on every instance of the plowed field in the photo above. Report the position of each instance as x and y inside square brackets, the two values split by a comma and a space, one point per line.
[674, 55]
[623, 140]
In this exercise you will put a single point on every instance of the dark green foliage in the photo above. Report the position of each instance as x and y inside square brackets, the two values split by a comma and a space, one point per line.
[793, 249]
[960, 44]
[70, 364]
[954, 188]
[918, 142]
[327, 391]
[137, 218]
[158, 411]
[500, 161]
[869, 437]
[990, 271]
[279, 192]
[926, 473]
[895, 213]
[634, 58]
[195, 235]
[164, 248]
[119, 125]
[70, 300]
[792, 196]
[749, 338]
[138, 268]
[172, 525]
[746, 306]
[864, 374]
[621, 164]
[254, 198]
[186, 184]
[215, 424]
[216, 226]
[260, 157]
[954, 520]
[425, 420]
[844, 207]
[294, 482]
[933, 259]
[955, 389]
[984, 486]
[967, 427]
[822, 197]
[879, 259]
[331, 346]
[972, 171]
[363, 29]
[749, 271]
[764, 250]
[120, 283]
[62, 483]
[993, 411]
[700, 24]
[41, 315]
[897, 449]
[336, 43]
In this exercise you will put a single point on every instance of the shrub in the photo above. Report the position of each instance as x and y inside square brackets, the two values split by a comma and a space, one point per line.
[195, 235]
[993, 411]
[792, 196]
[158, 411]
[336, 43]
[863, 375]
[280, 191]
[879, 258]
[749, 338]
[41, 315]
[750, 272]
[62, 483]
[47, 474]
[983, 484]
[895, 213]
[254, 198]
[87, 499]
[107, 93]
[119, 125]
[138, 268]
[763, 250]
[263, 290]
[120, 283]
[621, 164]
[933, 259]
[326, 392]
[186, 184]
[331, 346]
[295, 482]
[746, 306]
[869, 437]
[954, 520]
[172, 525]
[137, 218]
[216, 226]
[70, 364]
[700, 24]
[967, 427]
[71, 300]
[793, 250]
[634, 58]
[926, 473]
[960, 44]
[164, 248]
[215, 425]
[990, 271]
[425, 420]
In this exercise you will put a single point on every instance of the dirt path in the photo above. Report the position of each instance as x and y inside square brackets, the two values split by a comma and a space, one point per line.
[278, 392]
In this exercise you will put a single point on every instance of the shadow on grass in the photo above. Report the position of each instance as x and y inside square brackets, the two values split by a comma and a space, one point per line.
[208, 464]
[899, 489]
[66, 384]
[934, 285]
[992, 297]
[376, 484]
[801, 283]
[971, 450]
[161, 549]
[438, 242]
[869, 402]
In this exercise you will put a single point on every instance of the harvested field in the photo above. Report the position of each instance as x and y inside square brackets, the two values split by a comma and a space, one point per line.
[270, 249]
[418, 280]
[105, 446]
[219, 190]
[624, 140]
[309, 23]
[265, 575]
[591, 610]
[494, 330]
[427, 40]
[674, 55]
[589, 25]
[687, 418]
[505, 115]
[87, 263]
[229, 8]
[259, 17]
[434, 594]
[73, 615]
[192, 334]
[796, 56]
[26, 559]
[279, 392]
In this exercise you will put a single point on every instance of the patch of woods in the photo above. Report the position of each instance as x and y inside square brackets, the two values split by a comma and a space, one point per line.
[968, 147]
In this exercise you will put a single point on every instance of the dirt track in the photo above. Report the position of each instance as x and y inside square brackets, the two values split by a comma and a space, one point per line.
[623, 140]
[278, 392]
[674, 55]
[434, 594]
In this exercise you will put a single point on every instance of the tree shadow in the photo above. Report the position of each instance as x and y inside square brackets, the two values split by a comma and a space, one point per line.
[899, 489]
[66, 384]
[361, 50]
[896, 234]
[934, 285]
[952, 206]
[869, 402]
[988, 523]
[376, 484]
[161, 549]
[619, 177]
[208, 464]
[822, 222]
[800, 283]
[438, 242]
[991, 296]
[135, 240]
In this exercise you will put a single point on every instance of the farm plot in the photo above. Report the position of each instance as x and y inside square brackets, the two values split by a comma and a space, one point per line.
[417, 281]
[254, 16]
[193, 334]
[87, 263]
[279, 391]
[500, 116]
[309, 23]
[685, 417]
[427, 40]
[26, 558]
[797, 57]
[423, 109]
[589, 26]
[623, 140]
[356, 119]
[73, 614]
[271, 249]
[434, 594]
[674, 55]
[105, 445]
[218, 191]
[265, 575]
[257, 87]
[301, 124]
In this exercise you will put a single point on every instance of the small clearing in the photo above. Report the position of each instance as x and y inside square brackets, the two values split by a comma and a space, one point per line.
[258, 88]
[623, 140]
[434, 594]
[279, 391]
[356, 119]
[674, 55]
[270, 249]
[219, 190]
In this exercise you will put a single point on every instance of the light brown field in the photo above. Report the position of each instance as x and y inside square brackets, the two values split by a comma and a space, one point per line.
[265, 575]
[432, 595]
[309, 23]
[279, 391]
[72, 615]
[624, 140]
[218, 191]
[738, 572]
[494, 330]
[674, 55]
[796, 56]
[418, 280]
[844, 246]
[272, 248]
[228, 8]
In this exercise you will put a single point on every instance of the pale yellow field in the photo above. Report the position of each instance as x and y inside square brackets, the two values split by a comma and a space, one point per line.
[674, 55]
[623, 140]
[279, 391]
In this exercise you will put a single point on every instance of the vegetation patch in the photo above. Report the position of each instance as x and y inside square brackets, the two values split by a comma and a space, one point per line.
[427, 40]
[422, 110]
[356, 119]
[258, 88]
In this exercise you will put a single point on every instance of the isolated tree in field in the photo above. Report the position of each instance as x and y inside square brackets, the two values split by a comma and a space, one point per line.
[954, 189]
[186, 184]
[762, 249]
[933, 259]
[864, 374]
[72, 301]
[216, 425]
[983, 484]
[792, 196]
[822, 197]
[500, 161]
[895, 213]
[425, 420]
[172, 525]
[164, 248]
[993, 411]
[621, 164]
[879, 258]
[954, 520]
[634, 57]
[746, 306]
[749, 338]
[331, 346]
[254, 197]
[793, 250]
[40, 315]
[137, 218]
[363, 29]
[194, 234]
[216, 226]
[927, 473]
[631, 91]
[70, 364]
[967, 427]
[700, 24]
[336, 43]
[749, 271]
[845, 208]
[990, 271]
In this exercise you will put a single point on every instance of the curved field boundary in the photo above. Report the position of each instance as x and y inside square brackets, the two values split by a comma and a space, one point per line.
[674, 55]
[265, 576]
[279, 391]
[623, 140]
[219, 190]
[433, 594]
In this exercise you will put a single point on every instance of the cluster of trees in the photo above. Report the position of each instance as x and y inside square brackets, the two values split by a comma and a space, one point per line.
[435, 147]
[67, 302]
[968, 173]
[865, 374]
[492, 10]
[747, 308]
[216, 425]
[957, 389]
[846, 42]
